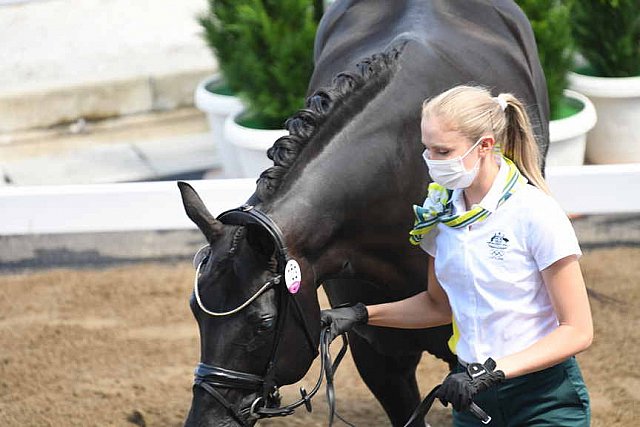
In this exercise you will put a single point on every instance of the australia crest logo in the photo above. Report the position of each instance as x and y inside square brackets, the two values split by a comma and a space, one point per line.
[497, 245]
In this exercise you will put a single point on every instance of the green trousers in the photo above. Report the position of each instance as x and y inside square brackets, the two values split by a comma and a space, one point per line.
[556, 396]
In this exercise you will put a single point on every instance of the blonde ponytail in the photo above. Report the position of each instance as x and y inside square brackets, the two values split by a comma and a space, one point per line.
[519, 142]
[474, 112]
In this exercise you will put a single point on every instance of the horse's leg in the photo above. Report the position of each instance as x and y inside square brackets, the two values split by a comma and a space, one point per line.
[391, 379]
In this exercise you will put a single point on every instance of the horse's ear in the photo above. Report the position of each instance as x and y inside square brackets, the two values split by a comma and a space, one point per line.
[198, 212]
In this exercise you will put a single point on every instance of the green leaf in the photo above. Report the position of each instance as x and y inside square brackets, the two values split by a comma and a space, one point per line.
[551, 24]
[607, 33]
[265, 52]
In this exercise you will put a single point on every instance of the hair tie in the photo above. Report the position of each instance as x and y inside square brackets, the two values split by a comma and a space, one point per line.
[501, 102]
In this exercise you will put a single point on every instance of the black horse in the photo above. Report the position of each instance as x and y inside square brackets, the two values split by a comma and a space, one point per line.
[339, 198]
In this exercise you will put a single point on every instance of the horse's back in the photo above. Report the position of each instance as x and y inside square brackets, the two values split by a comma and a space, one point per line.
[446, 43]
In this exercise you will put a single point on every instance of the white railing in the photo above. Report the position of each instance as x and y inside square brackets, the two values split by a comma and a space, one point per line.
[111, 207]
[597, 189]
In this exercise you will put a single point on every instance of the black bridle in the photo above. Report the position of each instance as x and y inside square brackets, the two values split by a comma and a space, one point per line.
[267, 404]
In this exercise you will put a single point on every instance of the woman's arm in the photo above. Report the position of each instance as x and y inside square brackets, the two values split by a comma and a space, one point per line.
[568, 294]
[424, 310]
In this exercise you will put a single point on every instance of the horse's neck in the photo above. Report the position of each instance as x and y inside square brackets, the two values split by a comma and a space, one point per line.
[347, 207]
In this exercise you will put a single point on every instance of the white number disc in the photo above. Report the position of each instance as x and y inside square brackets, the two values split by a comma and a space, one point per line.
[292, 276]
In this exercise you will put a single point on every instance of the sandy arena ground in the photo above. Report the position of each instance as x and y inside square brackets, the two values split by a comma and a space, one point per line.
[117, 347]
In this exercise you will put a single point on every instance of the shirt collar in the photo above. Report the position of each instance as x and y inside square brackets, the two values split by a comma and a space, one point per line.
[491, 199]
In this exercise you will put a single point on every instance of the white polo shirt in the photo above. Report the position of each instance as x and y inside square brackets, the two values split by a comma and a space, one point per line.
[490, 271]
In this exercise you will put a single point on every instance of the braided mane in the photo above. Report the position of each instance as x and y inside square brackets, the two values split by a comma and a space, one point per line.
[348, 90]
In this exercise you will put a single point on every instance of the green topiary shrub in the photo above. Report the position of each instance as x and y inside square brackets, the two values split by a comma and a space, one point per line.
[551, 23]
[219, 36]
[607, 34]
[265, 53]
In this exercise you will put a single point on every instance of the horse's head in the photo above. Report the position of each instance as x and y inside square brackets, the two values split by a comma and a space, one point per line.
[257, 332]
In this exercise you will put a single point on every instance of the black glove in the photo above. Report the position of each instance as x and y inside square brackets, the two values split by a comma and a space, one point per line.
[344, 319]
[460, 389]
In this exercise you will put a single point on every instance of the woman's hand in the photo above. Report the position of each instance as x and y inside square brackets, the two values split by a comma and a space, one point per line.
[343, 319]
[459, 389]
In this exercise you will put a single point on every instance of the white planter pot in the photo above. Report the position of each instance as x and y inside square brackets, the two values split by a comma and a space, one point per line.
[616, 137]
[217, 108]
[568, 136]
[251, 145]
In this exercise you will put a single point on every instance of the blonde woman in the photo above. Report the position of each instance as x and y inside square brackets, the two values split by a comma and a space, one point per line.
[503, 264]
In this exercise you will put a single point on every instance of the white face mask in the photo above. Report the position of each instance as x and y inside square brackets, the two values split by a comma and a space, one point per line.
[451, 173]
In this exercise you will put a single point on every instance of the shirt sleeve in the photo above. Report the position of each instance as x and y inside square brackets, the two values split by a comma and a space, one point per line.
[428, 242]
[551, 235]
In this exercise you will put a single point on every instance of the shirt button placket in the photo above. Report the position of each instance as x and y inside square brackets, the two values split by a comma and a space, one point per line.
[471, 294]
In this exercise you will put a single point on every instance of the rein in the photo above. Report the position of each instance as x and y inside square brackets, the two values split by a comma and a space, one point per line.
[425, 405]
[267, 404]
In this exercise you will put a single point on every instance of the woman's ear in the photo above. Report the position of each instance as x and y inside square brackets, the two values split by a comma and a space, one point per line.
[487, 144]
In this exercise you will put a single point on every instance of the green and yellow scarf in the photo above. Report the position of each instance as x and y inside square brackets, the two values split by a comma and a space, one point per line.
[439, 208]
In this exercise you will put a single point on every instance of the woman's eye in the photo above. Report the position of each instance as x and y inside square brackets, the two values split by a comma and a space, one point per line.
[443, 152]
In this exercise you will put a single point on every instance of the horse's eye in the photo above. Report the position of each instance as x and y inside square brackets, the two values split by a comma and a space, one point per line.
[266, 325]
[201, 256]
